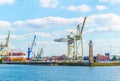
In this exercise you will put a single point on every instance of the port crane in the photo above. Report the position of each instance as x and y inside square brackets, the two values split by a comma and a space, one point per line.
[30, 49]
[39, 54]
[4, 47]
[73, 41]
[69, 41]
[78, 39]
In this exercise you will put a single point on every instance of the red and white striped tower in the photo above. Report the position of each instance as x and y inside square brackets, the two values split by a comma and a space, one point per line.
[91, 59]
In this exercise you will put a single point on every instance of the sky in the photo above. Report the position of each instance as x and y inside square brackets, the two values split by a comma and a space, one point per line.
[54, 19]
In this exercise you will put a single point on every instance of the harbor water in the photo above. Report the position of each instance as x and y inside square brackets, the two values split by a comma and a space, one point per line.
[9, 72]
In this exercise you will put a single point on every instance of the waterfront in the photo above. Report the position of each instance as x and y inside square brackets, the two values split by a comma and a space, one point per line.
[58, 73]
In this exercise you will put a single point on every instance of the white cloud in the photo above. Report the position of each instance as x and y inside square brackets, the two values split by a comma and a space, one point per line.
[101, 23]
[49, 3]
[111, 1]
[114, 43]
[43, 34]
[2, 2]
[53, 48]
[27, 36]
[81, 8]
[104, 23]
[100, 7]
[62, 33]
[47, 22]
[5, 25]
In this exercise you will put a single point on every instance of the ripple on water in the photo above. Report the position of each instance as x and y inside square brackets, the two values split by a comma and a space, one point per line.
[58, 73]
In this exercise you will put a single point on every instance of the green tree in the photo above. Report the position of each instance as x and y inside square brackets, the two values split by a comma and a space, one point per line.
[114, 58]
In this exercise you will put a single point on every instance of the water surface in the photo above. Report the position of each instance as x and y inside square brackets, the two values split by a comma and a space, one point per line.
[58, 73]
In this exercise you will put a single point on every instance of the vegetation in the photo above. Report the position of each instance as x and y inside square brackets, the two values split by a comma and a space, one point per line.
[114, 58]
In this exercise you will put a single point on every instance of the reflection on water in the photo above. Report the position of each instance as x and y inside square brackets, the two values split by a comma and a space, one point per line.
[58, 73]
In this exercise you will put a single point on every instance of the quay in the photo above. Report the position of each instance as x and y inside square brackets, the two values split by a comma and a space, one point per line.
[66, 63]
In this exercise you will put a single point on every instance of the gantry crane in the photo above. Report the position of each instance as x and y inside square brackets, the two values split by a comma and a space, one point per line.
[78, 39]
[73, 40]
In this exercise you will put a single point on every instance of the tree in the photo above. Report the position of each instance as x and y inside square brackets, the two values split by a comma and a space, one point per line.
[114, 58]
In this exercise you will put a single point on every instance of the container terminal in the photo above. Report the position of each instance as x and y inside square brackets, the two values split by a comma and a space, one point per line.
[74, 44]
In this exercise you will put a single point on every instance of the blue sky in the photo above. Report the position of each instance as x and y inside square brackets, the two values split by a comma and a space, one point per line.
[51, 19]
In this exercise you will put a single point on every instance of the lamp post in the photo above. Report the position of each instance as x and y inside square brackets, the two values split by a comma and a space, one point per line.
[110, 49]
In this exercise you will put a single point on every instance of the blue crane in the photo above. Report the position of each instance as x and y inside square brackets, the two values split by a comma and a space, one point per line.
[30, 49]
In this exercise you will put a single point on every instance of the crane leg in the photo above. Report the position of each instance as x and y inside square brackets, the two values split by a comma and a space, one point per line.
[82, 47]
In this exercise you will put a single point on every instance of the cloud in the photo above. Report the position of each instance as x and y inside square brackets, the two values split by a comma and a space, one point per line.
[27, 36]
[104, 23]
[47, 22]
[111, 1]
[2, 2]
[81, 8]
[62, 33]
[108, 45]
[100, 7]
[53, 48]
[48, 3]
[43, 34]
[5, 25]
[94, 23]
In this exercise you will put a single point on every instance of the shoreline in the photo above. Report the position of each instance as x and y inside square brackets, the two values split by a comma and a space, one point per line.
[65, 64]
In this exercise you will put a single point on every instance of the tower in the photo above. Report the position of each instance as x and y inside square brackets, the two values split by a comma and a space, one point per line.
[91, 59]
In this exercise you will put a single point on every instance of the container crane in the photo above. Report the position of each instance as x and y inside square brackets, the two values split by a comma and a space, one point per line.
[73, 40]
[78, 39]
[39, 54]
[30, 49]
[69, 41]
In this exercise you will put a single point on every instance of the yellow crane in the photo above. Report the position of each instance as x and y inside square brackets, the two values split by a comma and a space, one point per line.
[4, 47]
[69, 41]
[7, 39]
[73, 41]
[78, 39]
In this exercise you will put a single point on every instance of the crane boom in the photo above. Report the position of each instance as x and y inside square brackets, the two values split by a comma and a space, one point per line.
[7, 39]
[33, 43]
[61, 40]
[83, 25]
[5, 46]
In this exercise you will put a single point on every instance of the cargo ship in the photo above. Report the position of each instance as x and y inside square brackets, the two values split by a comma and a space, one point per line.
[13, 57]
